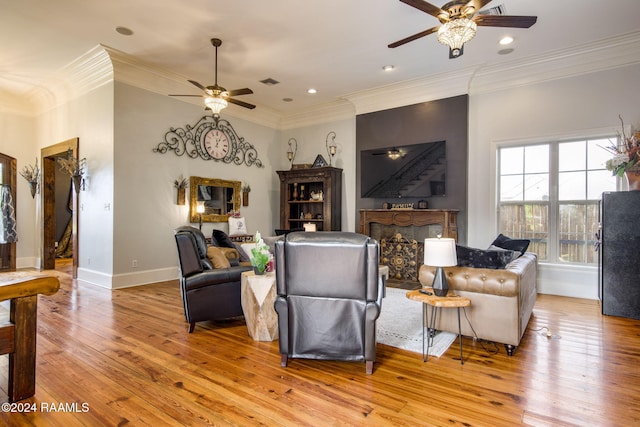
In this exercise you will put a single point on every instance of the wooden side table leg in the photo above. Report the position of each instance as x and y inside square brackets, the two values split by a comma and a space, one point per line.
[22, 362]
[460, 337]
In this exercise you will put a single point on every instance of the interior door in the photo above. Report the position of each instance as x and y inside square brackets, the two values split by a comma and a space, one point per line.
[8, 177]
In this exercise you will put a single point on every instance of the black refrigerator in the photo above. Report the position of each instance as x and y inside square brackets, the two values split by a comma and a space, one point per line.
[619, 257]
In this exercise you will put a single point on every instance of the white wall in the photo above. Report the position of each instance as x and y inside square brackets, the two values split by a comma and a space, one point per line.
[18, 140]
[145, 209]
[90, 118]
[575, 106]
[311, 142]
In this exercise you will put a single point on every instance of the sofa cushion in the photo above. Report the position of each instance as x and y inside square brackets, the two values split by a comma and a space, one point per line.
[505, 242]
[480, 258]
[217, 257]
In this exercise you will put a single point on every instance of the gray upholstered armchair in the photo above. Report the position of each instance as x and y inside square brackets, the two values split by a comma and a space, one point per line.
[207, 293]
[329, 296]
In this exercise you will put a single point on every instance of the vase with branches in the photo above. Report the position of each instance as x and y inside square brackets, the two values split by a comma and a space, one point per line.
[32, 175]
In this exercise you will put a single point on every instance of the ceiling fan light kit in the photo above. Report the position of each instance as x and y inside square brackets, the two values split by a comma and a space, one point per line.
[215, 104]
[455, 34]
[460, 19]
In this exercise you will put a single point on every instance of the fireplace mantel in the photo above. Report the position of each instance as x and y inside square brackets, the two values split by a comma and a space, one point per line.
[410, 217]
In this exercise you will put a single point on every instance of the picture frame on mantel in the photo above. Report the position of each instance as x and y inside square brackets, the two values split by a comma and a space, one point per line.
[319, 162]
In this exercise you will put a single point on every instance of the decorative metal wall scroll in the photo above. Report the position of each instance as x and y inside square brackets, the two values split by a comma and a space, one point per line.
[211, 138]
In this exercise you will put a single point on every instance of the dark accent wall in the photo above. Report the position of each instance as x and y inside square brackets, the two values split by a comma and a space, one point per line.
[440, 120]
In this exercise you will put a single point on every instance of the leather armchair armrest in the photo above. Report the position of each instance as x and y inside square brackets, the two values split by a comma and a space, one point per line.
[214, 277]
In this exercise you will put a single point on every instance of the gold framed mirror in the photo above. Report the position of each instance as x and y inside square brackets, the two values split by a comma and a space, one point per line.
[217, 198]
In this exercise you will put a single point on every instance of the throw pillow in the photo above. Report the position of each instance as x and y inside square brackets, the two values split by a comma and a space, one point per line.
[217, 257]
[480, 258]
[241, 252]
[505, 242]
[237, 226]
[222, 239]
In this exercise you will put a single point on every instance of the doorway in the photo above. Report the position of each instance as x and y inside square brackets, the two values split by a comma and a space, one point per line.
[50, 236]
[8, 173]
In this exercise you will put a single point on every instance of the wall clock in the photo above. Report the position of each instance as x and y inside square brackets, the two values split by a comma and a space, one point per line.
[211, 138]
[216, 143]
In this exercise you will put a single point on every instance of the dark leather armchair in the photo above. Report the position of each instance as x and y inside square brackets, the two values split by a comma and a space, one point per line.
[207, 293]
[329, 296]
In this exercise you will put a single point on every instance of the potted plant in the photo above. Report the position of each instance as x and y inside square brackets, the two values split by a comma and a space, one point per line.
[626, 157]
[32, 174]
[260, 255]
[245, 195]
[181, 184]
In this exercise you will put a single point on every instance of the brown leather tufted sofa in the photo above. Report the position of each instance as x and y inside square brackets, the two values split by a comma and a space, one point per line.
[501, 300]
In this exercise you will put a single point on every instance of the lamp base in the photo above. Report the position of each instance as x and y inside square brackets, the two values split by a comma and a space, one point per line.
[440, 285]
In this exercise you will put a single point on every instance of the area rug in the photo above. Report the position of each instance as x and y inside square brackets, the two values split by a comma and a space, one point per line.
[400, 325]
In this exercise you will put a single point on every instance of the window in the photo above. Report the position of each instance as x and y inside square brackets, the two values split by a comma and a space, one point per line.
[549, 193]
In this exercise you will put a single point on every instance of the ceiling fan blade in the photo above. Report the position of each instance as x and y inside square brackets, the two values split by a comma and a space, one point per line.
[241, 103]
[199, 96]
[198, 85]
[414, 37]
[244, 91]
[425, 7]
[512, 21]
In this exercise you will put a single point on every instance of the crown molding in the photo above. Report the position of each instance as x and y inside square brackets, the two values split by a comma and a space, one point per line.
[340, 109]
[85, 74]
[102, 65]
[615, 52]
[409, 92]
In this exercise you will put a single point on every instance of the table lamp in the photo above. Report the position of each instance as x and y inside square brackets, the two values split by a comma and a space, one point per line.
[440, 253]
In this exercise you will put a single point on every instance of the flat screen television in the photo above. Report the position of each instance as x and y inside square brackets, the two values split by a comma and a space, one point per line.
[404, 171]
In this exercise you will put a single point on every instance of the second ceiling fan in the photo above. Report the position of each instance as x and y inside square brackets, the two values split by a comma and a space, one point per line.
[215, 96]
[459, 19]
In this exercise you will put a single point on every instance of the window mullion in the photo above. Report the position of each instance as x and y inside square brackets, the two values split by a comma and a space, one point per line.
[554, 207]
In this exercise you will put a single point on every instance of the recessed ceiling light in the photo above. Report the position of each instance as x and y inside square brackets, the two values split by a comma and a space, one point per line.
[505, 51]
[388, 68]
[506, 40]
[124, 31]
[312, 91]
[287, 99]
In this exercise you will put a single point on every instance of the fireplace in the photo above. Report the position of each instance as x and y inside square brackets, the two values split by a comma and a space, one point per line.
[401, 235]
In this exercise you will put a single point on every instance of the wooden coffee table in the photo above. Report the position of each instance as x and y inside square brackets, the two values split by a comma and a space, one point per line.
[435, 302]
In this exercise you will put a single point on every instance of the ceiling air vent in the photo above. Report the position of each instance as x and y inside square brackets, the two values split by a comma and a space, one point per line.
[496, 10]
[269, 82]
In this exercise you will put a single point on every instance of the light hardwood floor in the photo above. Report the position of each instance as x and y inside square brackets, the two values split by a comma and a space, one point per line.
[126, 355]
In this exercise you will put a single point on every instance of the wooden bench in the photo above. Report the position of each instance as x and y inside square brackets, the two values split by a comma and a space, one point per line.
[18, 336]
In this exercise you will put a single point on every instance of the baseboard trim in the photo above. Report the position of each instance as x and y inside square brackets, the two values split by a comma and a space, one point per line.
[127, 280]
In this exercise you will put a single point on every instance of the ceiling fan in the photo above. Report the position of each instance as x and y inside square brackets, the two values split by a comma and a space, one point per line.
[215, 96]
[459, 19]
[394, 153]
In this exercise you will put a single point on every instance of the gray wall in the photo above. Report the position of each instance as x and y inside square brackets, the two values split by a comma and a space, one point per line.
[441, 120]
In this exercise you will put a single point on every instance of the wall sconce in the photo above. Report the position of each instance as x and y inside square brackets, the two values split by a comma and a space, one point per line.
[32, 175]
[200, 211]
[75, 168]
[332, 148]
[293, 149]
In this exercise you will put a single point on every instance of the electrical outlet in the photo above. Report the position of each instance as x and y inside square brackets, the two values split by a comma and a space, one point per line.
[134, 263]
[88, 261]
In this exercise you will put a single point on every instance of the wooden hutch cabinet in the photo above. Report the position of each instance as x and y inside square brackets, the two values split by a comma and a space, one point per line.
[298, 206]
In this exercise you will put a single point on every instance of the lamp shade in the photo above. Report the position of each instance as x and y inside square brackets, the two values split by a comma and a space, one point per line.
[440, 252]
